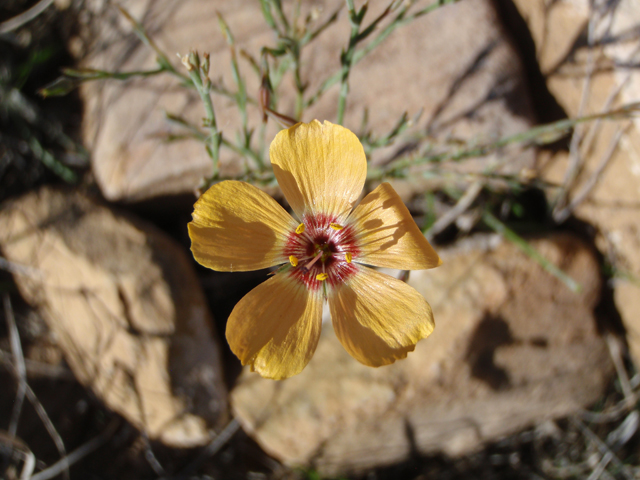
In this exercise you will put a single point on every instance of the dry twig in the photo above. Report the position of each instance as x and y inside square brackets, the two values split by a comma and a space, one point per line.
[78, 454]
[20, 369]
[458, 209]
[602, 447]
[21, 450]
[51, 430]
[25, 17]
[16, 269]
[216, 444]
[562, 214]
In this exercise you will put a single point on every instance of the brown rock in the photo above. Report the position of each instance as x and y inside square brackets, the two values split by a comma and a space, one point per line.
[124, 304]
[455, 64]
[613, 205]
[512, 347]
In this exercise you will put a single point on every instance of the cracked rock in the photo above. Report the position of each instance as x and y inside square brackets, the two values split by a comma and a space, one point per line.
[479, 96]
[513, 347]
[123, 303]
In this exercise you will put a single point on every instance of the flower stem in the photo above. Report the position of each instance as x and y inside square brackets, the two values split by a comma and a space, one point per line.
[215, 137]
[346, 59]
[496, 225]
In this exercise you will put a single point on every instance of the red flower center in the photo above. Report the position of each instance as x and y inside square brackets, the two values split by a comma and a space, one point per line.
[321, 250]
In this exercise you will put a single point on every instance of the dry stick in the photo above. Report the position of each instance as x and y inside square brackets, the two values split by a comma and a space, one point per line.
[459, 208]
[20, 369]
[78, 454]
[602, 446]
[28, 466]
[574, 147]
[46, 421]
[630, 397]
[53, 433]
[26, 16]
[599, 470]
[14, 268]
[216, 444]
[588, 139]
[21, 450]
[151, 458]
[39, 368]
[611, 414]
[616, 355]
[561, 215]
[593, 129]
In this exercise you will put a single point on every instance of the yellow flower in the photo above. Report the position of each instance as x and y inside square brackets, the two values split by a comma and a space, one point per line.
[321, 169]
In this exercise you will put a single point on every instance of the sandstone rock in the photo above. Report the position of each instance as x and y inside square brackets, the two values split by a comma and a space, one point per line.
[561, 33]
[512, 347]
[455, 64]
[122, 301]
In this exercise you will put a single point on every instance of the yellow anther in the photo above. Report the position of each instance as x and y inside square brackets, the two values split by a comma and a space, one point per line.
[293, 260]
[347, 257]
[300, 229]
[336, 226]
[322, 277]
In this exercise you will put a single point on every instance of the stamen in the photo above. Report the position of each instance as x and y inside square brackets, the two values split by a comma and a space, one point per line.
[322, 277]
[293, 260]
[336, 226]
[300, 229]
[347, 257]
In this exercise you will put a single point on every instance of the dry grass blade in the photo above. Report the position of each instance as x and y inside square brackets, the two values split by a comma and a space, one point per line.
[78, 454]
[20, 449]
[51, 430]
[576, 138]
[564, 213]
[16, 269]
[216, 444]
[25, 17]
[20, 368]
[602, 447]
[29, 465]
[44, 417]
[151, 458]
[20, 372]
[599, 470]
[463, 204]
[36, 368]
[615, 351]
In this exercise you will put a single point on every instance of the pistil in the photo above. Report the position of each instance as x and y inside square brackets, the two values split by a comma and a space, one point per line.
[315, 259]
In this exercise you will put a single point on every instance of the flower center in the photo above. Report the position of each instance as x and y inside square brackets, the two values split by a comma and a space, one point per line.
[321, 250]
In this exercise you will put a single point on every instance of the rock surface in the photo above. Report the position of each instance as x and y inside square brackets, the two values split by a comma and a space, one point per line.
[561, 32]
[512, 347]
[123, 303]
[455, 64]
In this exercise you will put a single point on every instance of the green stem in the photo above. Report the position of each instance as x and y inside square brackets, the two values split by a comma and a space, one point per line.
[346, 58]
[295, 53]
[496, 225]
[540, 135]
[358, 55]
[283, 18]
[215, 138]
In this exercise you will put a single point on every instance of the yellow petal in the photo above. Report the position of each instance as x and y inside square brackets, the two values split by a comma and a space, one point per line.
[321, 168]
[377, 318]
[275, 328]
[237, 227]
[387, 235]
